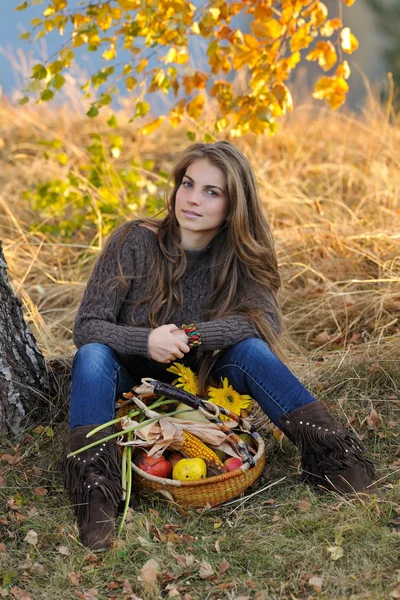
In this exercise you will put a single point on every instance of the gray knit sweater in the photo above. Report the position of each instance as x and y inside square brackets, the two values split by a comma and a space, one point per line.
[105, 313]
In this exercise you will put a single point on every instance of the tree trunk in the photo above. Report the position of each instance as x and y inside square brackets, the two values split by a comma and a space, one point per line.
[24, 381]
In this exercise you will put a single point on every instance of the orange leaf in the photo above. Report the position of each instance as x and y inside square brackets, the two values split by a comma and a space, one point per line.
[150, 127]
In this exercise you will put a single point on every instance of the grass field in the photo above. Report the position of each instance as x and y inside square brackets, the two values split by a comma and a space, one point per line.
[331, 187]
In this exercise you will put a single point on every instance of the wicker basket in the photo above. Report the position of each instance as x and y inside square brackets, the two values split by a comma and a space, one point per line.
[210, 491]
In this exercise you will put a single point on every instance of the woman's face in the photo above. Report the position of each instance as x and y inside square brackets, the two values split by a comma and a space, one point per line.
[201, 206]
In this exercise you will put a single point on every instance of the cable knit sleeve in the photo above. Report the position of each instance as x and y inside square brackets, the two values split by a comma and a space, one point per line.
[225, 332]
[96, 320]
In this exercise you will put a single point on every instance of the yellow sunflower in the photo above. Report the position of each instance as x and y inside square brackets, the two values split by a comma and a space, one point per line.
[186, 380]
[227, 397]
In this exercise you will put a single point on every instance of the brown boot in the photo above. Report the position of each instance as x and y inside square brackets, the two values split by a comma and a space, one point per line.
[331, 456]
[92, 480]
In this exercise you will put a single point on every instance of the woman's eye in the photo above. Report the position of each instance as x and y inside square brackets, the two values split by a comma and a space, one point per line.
[186, 183]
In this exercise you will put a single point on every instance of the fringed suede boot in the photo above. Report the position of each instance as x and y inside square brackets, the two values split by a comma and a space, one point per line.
[92, 480]
[332, 457]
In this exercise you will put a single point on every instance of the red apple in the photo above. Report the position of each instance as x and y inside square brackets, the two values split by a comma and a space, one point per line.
[233, 463]
[174, 457]
[154, 465]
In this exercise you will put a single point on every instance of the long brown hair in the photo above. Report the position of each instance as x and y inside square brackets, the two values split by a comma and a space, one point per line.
[242, 253]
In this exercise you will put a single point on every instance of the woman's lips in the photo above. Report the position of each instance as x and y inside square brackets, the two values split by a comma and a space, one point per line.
[190, 213]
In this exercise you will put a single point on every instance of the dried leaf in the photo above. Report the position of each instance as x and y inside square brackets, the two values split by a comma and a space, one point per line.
[91, 594]
[173, 592]
[303, 505]
[205, 570]
[74, 578]
[223, 567]
[396, 592]
[31, 537]
[8, 458]
[373, 419]
[64, 550]
[316, 582]
[321, 338]
[3, 548]
[149, 574]
[336, 552]
[20, 594]
[40, 491]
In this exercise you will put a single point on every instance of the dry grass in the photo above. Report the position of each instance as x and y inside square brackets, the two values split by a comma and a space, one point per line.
[331, 187]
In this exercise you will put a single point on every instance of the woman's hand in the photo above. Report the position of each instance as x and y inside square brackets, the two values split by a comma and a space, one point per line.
[166, 343]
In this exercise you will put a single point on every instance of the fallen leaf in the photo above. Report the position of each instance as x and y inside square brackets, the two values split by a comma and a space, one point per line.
[396, 592]
[114, 585]
[3, 548]
[321, 338]
[303, 505]
[37, 569]
[91, 594]
[149, 574]
[173, 591]
[275, 518]
[11, 460]
[40, 491]
[316, 582]
[31, 537]
[126, 587]
[20, 594]
[373, 419]
[223, 567]
[185, 560]
[336, 552]
[64, 550]
[74, 578]
[205, 570]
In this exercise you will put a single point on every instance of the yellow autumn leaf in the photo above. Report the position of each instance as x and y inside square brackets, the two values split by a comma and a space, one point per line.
[170, 57]
[195, 107]
[301, 38]
[332, 89]
[266, 29]
[343, 70]
[283, 96]
[221, 124]
[348, 40]
[325, 54]
[150, 127]
[129, 4]
[317, 12]
[177, 113]
[251, 41]
[110, 54]
[330, 27]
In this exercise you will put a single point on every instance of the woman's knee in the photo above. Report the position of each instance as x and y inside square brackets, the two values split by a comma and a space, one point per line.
[94, 357]
[251, 349]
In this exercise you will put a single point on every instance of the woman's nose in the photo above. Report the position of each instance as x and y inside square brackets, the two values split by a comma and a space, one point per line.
[194, 198]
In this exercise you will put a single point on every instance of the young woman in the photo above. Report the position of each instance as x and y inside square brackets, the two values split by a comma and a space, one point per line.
[198, 286]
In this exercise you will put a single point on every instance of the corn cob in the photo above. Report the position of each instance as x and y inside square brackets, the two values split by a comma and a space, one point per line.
[193, 447]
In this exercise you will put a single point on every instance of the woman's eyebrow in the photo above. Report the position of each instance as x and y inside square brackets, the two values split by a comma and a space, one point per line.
[206, 186]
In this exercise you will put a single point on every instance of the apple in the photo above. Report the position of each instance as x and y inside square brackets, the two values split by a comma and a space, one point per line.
[174, 457]
[154, 465]
[233, 463]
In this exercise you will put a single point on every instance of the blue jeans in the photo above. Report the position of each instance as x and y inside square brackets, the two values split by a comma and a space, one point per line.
[99, 377]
